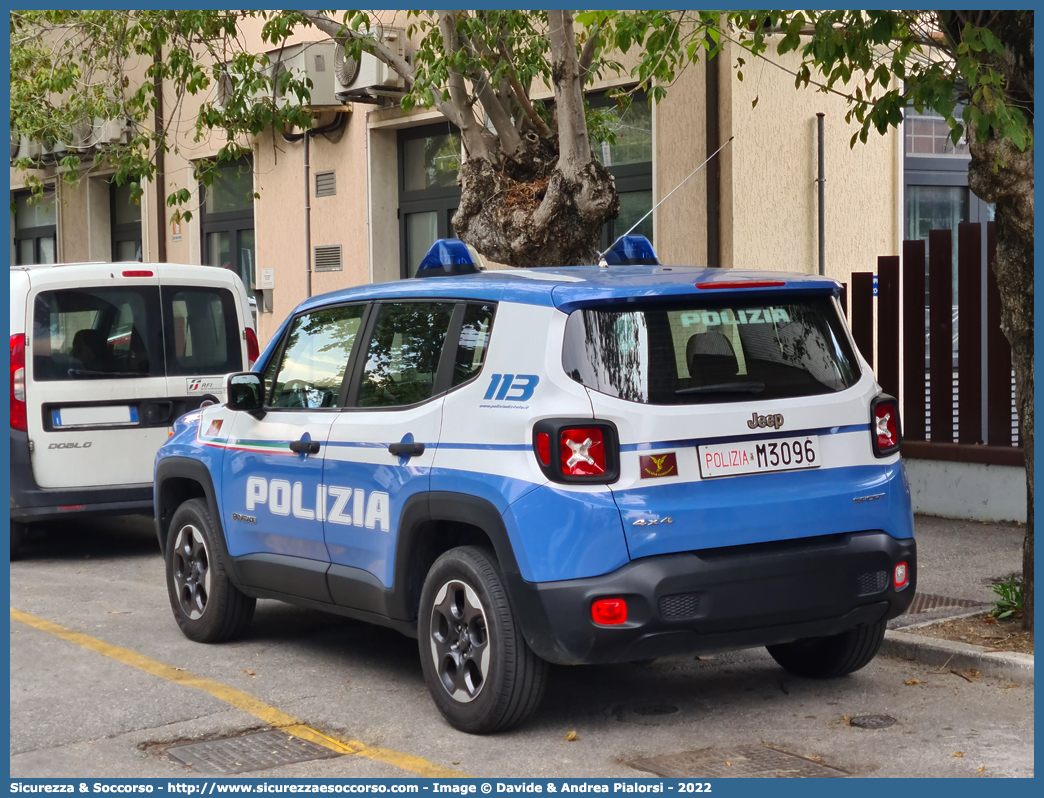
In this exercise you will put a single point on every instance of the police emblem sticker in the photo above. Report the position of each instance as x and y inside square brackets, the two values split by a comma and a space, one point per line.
[654, 466]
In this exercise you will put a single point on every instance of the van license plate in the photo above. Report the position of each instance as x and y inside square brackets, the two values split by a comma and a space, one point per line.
[108, 416]
[756, 457]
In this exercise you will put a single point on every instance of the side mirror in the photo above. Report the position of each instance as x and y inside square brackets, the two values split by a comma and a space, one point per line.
[246, 391]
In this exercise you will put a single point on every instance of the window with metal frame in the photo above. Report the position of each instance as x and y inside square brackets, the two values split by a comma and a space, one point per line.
[35, 228]
[124, 223]
[227, 220]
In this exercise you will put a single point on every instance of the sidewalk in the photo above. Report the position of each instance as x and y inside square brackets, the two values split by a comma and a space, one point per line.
[956, 563]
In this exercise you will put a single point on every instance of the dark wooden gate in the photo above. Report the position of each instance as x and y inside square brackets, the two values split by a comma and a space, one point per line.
[943, 392]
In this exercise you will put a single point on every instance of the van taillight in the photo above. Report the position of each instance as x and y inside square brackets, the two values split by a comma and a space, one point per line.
[885, 430]
[577, 450]
[18, 412]
[253, 351]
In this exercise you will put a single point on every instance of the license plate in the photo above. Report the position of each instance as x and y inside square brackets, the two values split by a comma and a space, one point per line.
[111, 415]
[756, 457]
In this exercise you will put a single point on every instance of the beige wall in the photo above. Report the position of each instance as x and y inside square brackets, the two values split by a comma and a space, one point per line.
[772, 167]
[680, 141]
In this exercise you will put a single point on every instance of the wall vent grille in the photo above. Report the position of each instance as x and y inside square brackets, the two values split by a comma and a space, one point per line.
[325, 184]
[328, 258]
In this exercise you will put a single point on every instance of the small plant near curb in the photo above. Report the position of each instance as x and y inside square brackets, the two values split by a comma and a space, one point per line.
[1009, 598]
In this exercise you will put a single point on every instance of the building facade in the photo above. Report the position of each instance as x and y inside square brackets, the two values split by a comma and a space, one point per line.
[380, 185]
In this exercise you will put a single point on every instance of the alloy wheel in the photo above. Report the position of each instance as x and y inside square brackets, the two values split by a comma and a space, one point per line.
[460, 641]
[191, 571]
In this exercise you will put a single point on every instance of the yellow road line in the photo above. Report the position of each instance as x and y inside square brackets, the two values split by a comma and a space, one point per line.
[238, 699]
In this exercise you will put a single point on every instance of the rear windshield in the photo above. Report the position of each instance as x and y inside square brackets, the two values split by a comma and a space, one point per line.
[97, 333]
[720, 352]
[118, 333]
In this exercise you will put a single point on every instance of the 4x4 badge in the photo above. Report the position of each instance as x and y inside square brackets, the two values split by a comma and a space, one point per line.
[653, 521]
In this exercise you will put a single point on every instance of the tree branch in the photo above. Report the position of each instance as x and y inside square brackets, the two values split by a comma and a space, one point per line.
[588, 51]
[574, 144]
[520, 93]
[510, 141]
[474, 141]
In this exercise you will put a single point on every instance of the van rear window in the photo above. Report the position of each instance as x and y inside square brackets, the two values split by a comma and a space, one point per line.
[97, 333]
[711, 352]
[203, 335]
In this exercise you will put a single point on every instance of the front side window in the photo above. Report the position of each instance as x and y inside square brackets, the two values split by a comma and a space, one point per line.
[707, 352]
[202, 331]
[97, 333]
[315, 357]
[403, 357]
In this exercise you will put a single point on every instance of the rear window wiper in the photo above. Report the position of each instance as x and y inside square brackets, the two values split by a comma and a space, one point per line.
[87, 373]
[724, 387]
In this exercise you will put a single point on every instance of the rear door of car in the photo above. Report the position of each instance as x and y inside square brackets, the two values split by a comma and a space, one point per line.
[94, 361]
[383, 443]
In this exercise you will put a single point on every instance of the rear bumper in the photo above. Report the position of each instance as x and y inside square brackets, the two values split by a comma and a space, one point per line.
[30, 502]
[720, 599]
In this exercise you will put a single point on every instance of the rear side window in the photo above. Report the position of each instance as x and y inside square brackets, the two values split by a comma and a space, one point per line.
[705, 353]
[203, 335]
[403, 355]
[474, 342]
[97, 333]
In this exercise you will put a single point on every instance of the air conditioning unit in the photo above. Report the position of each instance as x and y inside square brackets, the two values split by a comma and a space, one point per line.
[369, 79]
[23, 147]
[90, 134]
[311, 60]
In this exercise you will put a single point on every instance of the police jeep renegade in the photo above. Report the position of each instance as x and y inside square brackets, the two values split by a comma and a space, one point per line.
[574, 465]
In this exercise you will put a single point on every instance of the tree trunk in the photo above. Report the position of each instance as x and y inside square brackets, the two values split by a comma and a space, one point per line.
[530, 213]
[547, 205]
[999, 173]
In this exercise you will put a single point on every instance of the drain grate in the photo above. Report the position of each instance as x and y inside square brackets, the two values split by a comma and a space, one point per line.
[926, 602]
[751, 762]
[258, 751]
[872, 721]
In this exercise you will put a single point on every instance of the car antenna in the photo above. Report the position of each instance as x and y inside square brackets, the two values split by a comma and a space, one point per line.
[602, 262]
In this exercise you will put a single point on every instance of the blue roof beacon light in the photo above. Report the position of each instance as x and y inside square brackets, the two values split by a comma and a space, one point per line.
[448, 257]
[632, 250]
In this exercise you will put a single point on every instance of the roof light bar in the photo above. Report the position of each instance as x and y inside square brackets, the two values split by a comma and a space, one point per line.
[632, 250]
[448, 257]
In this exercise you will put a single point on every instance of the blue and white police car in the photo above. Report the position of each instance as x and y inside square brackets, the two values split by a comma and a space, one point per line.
[557, 465]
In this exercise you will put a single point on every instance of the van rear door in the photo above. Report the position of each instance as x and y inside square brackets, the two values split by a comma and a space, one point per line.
[94, 361]
[203, 326]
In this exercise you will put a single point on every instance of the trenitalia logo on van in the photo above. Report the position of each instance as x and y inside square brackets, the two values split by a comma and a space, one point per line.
[285, 498]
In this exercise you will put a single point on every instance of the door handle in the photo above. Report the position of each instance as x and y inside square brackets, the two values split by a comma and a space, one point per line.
[305, 447]
[408, 449]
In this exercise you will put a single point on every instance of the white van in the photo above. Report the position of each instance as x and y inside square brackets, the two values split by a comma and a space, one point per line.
[104, 358]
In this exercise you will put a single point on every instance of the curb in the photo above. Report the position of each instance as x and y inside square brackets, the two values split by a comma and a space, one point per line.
[961, 656]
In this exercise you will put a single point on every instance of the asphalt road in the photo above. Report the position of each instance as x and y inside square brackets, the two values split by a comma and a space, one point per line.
[77, 712]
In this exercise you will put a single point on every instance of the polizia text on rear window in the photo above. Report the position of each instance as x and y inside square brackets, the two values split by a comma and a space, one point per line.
[711, 351]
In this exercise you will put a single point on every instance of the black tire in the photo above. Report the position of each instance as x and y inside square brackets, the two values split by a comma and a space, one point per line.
[206, 605]
[829, 657]
[18, 530]
[471, 642]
